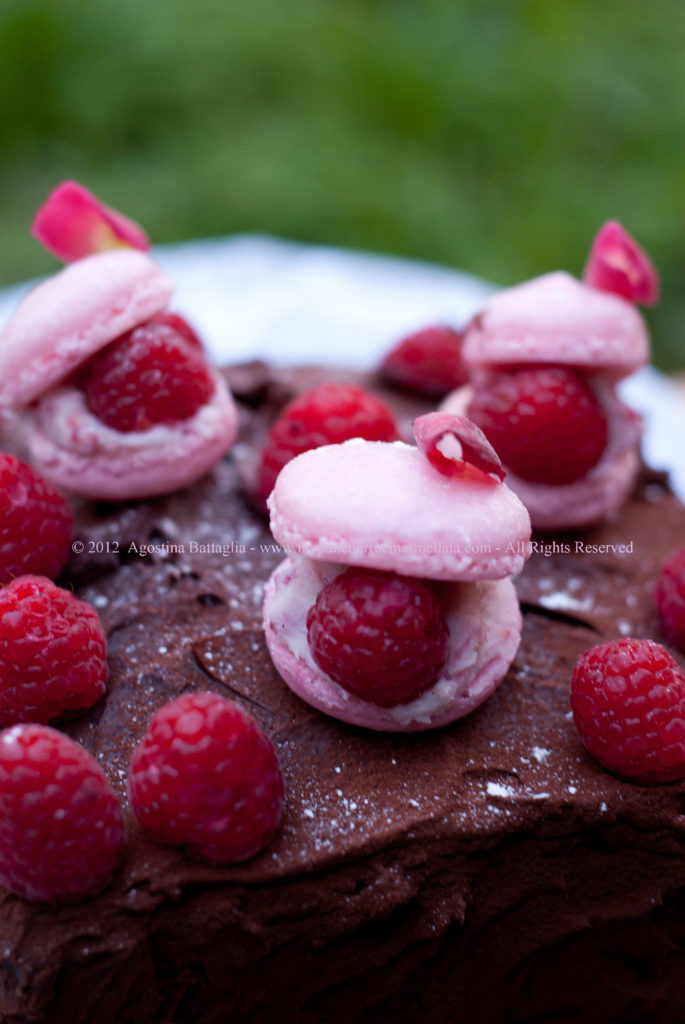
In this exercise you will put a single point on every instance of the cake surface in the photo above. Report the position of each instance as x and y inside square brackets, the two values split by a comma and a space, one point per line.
[488, 871]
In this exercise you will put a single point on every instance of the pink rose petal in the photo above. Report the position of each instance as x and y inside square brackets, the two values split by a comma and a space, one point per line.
[617, 264]
[456, 446]
[72, 223]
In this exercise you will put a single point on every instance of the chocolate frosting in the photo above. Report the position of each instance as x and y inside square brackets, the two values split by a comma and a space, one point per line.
[489, 871]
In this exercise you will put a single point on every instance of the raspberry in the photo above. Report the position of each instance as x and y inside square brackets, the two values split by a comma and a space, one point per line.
[669, 595]
[151, 375]
[35, 522]
[177, 323]
[428, 361]
[206, 777]
[628, 703]
[52, 652]
[61, 829]
[327, 414]
[382, 637]
[544, 422]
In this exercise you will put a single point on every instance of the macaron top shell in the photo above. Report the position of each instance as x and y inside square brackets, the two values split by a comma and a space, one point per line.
[73, 314]
[385, 506]
[558, 319]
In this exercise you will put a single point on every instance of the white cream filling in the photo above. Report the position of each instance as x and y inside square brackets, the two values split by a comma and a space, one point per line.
[63, 416]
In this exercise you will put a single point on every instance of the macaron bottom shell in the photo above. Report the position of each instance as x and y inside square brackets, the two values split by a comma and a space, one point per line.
[484, 623]
[79, 453]
[590, 500]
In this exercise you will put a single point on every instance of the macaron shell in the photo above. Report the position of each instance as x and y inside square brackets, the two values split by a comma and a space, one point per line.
[71, 315]
[484, 624]
[78, 453]
[558, 319]
[584, 502]
[385, 506]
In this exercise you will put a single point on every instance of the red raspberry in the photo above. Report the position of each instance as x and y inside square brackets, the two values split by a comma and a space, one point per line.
[327, 414]
[628, 703]
[61, 829]
[205, 776]
[428, 361]
[52, 652]
[178, 324]
[35, 522]
[151, 375]
[544, 422]
[669, 595]
[382, 637]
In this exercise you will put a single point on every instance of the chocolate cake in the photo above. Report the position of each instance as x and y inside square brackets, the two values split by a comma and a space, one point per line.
[489, 871]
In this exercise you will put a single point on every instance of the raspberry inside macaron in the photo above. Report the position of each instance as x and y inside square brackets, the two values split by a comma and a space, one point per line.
[545, 422]
[151, 375]
[381, 636]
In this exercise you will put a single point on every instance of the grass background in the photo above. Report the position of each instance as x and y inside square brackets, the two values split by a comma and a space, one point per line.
[495, 135]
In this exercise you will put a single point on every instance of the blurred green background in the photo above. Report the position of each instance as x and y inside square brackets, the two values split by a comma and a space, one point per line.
[491, 136]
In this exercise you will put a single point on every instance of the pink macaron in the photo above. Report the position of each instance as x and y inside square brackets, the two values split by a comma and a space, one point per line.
[405, 511]
[72, 315]
[382, 505]
[61, 324]
[557, 321]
